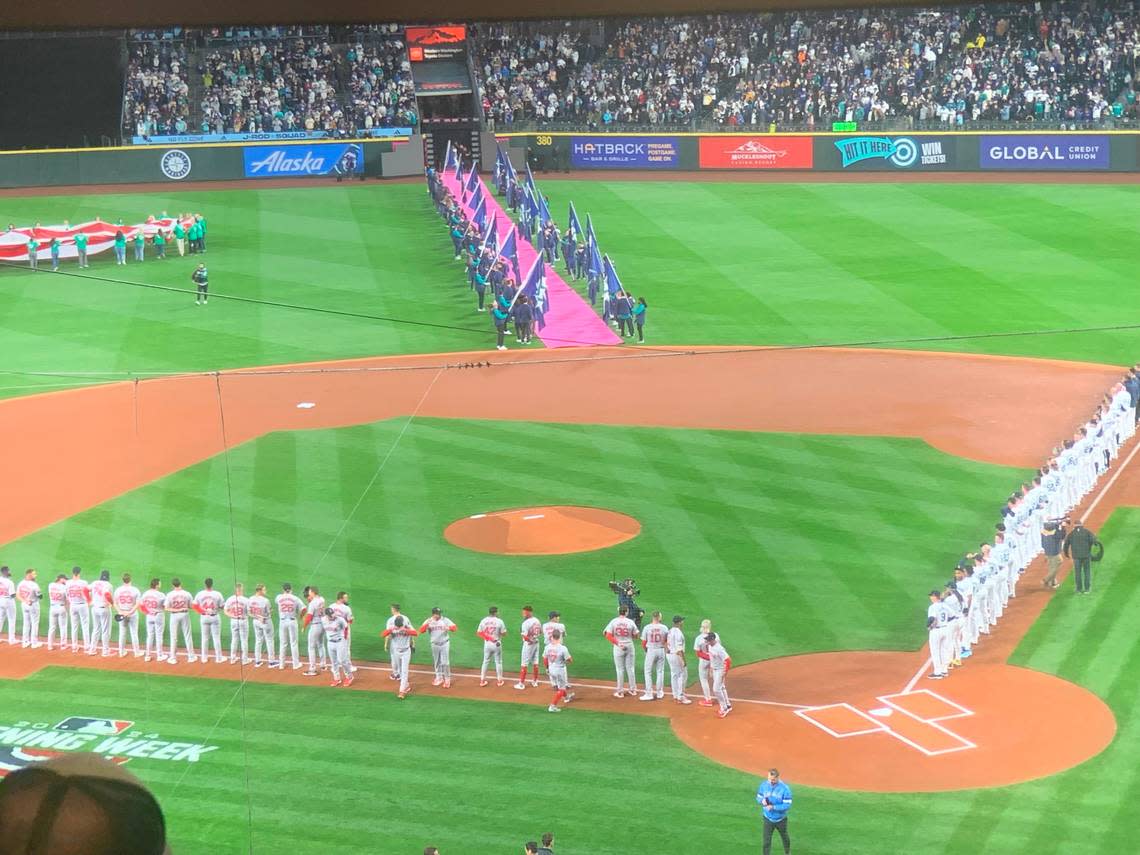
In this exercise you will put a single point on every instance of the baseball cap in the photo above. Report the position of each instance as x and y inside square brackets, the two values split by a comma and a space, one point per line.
[436, 611]
[678, 619]
[555, 614]
[936, 593]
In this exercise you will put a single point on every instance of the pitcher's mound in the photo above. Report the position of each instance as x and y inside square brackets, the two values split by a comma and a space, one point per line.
[550, 530]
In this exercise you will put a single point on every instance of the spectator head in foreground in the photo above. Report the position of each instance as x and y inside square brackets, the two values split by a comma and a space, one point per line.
[79, 804]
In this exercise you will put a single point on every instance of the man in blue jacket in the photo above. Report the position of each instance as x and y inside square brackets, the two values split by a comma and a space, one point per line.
[775, 799]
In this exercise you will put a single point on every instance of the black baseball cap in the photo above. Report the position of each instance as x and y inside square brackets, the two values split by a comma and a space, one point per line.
[555, 614]
[678, 619]
[436, 611]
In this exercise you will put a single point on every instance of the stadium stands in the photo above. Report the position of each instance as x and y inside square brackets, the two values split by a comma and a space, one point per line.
[951, 66]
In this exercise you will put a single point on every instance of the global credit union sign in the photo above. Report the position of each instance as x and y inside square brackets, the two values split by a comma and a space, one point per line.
[1044, 151]
[292, 160]
[632, 152]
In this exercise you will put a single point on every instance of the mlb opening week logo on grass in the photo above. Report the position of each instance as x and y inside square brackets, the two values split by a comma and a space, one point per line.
[23, 743]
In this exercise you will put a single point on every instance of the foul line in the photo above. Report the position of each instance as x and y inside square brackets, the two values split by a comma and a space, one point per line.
[1087, 512]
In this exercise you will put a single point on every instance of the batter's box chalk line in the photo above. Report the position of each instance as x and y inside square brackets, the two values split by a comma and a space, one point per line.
[944, 741]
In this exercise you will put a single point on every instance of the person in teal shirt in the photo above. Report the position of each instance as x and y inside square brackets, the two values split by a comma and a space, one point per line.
[192, 238]
[775, 800]
[201, 233]
[33, 252]
[480, 283]
[180, 237]
[639, 312]
[120, 247]
[81, 248]
[54, 254]
[500, 315]
[140, 245]
[159, 244]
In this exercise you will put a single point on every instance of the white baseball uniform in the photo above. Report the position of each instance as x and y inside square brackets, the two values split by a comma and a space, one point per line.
[209, 605]
[678, 670]
[653, 637]
[152, 603]
[29, 594]
[127, 606]
[936, 621]
[621, 631]
[344, 610]
[719, 663]
[8, 607]
[531, 632]
[556, 656]
[57, 615]
[492, 629]
[701, 649]
[392, 664]
[439, 629]
[548, 630]
[334, 629]
[289, 609]
[318, 650]
[261, 613]
[178, 603]
[79, 612]
[101, 596]
[237, 609]
[400, 645]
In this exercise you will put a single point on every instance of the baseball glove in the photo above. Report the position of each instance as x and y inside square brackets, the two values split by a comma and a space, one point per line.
[118, 618]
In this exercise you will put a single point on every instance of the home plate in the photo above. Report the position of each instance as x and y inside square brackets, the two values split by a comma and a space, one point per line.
[305, 405]
[881, 712]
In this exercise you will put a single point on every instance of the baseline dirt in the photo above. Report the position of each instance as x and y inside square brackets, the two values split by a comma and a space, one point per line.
[549, 530]
[74, 449]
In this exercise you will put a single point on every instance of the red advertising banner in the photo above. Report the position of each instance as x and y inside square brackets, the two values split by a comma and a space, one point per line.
[759, 152]
[428, 43]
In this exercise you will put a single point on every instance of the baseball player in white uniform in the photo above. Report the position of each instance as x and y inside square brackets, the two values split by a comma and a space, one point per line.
[178, 605]
[334, 629]
[237, 610]
[393, 673]
[701, 651]
[57, 614]
[401, 642]
[29, 594]
[557, 657]
[439, 629]
[675, 653]
[341, 608]
[289, 609]
[653, 637]
[79, 610]
[208, 603]
[260, 611]
[101, 596]
[8, 603]
[531, 632]
[317, 647]
[127, 615]
[953, 603]
[152, 603]
[621, 632]
[554, 622]
[492, 629]
[719, 663]
[937, 626]
[964, 583]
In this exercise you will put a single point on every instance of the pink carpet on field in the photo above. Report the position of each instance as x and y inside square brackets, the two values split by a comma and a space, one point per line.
[571, 321]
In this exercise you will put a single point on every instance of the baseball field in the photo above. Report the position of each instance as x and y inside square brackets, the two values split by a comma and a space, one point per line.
[841, 384]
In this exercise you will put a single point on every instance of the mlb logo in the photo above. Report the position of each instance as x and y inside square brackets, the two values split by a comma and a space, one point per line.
[94, 726]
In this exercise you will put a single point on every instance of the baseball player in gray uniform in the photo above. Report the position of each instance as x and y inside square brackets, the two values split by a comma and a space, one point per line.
[289, 608]
[178, 605]
[492, 629]
[261, 613]
[675, 653]
[653, 637]
[208, 603]
[101, 614]
[554, 622]
[620, 632]
[333, 629]
[394, 673]
[317, 648]
[237, 610]
[152, 604]
[439, 629]
[557, 657]
[719, 663]
[29, 594]
[937, 626]
[344, 610]
[701, 651]
[127, 614]
[57, 614]
[79, 610]
[400, 642]
[531, 632]
[8, 603]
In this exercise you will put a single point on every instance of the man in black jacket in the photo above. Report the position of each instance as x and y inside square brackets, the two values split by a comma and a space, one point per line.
[1080, 545]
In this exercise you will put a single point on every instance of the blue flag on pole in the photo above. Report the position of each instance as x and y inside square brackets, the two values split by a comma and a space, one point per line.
[477, 196]
[572, 223]
[613, 284]
[480, 216]
[595, 266]
[509, 250]
[492, 238]
[472, 178]
[447, 157]
[591, 238]
[499, 173]
[510, 167]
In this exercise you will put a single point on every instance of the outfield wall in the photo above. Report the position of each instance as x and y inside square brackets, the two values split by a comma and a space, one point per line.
[967, 151]
[211, 162]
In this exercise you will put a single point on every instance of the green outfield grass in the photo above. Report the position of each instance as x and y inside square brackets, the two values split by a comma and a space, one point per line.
[743, 528]
[380, 776]
[719, 264]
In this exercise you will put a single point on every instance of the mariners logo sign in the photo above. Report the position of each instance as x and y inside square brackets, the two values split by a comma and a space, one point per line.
[175, 164]
[24, 743]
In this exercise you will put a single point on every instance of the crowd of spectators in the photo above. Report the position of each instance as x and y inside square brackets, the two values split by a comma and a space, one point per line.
[156, 93]
[1062, 62]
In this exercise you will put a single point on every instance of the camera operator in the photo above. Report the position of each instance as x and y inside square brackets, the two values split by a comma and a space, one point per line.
[626, 590]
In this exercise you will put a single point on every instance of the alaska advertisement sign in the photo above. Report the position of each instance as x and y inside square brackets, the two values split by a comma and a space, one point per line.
[293, 160]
